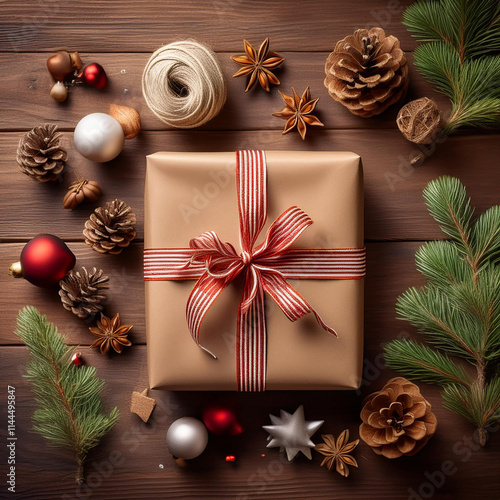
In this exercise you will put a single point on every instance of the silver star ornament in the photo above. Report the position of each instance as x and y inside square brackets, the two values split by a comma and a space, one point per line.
[292, 433]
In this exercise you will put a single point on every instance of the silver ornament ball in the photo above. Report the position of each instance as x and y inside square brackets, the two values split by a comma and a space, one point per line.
[99, 137]
[187, 438]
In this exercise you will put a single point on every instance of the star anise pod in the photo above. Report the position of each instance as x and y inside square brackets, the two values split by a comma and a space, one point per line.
[297, 112]
[338, 452]
[258, 65]
[110, 334]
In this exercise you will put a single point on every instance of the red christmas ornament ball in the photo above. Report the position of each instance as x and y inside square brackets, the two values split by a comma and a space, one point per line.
[220, 419]
[94, 75]
[45, 260]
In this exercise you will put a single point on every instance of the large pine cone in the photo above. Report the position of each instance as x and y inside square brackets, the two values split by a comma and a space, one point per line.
[397, 420]
[40, 154]
[111, 228]
[82, 293]
[367, 72]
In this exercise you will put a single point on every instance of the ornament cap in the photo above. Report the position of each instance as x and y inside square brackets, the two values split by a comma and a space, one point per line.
[16, 270]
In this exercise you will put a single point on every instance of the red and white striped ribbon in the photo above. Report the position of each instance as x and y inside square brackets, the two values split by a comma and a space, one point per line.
[215, 264]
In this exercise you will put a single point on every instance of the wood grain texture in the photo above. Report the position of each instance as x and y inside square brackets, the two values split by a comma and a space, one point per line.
[121, 35]
[394, 205]
[25, 99]
[131, 26]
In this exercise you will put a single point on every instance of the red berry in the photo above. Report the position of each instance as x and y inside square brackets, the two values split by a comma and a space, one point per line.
[77, 359]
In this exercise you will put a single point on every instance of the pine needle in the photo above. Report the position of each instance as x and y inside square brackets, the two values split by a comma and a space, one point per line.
[458, 311]
[70, 412]
[459, 55]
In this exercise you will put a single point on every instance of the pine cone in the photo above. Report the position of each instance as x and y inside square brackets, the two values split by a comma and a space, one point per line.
[397, 420]
[111, 228]
[40, 154]
[82, 293]
[367, 72]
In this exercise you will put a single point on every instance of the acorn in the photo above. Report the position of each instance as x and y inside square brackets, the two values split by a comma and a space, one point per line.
[59, 92]
[63, 64]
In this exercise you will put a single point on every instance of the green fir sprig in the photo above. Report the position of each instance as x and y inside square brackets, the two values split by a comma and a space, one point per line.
[70, 413]
[458, 311]
[460, 56]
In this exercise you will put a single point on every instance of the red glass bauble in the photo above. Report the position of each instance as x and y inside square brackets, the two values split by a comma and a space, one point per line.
[45, 260]
[94, 75]
[220, 419]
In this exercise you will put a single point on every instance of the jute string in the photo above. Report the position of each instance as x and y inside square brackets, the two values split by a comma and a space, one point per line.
[419, 120]
[183, 84]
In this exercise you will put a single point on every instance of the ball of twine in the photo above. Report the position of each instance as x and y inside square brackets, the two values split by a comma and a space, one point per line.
[419, 120]
[183, 84]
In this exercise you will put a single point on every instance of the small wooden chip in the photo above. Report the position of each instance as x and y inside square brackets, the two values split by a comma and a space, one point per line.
[142, 405]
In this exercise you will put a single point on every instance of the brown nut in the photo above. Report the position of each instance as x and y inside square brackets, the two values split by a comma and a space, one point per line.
[128, 118]
[63, 64]
[80, 191]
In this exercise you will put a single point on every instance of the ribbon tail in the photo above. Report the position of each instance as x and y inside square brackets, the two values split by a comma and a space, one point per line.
[251, 343]
[293, 305]
[203, 295]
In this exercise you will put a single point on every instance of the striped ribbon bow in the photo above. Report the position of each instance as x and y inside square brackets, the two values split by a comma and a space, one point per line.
[215, 264]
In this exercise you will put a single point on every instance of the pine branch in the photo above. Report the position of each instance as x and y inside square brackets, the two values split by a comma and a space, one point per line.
[70, 412]
[469, 27]
[459, 55]
[449, 205]
[459, 309]
[486, 236]
[478, 405]
[420, 362]
[439, 63]
[440, 263]
[435, 316]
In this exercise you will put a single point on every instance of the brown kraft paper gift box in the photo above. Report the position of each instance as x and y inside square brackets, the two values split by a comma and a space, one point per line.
[187, 194]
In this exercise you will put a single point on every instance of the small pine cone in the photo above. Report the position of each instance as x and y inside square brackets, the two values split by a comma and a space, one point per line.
[367, 72]
[111, 228]
[397, 420]
[82, 292]
[40, 154]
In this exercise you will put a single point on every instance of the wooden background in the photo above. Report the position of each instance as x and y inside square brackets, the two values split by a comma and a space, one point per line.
[121, 36]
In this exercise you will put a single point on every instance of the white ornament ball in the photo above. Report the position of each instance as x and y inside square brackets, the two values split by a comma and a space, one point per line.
[187, 438]
[99, 137]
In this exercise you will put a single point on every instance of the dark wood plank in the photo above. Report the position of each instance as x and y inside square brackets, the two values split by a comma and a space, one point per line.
[25, 98]
[129, 26]
[391, 270]
[393, 197]
[44, 473]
